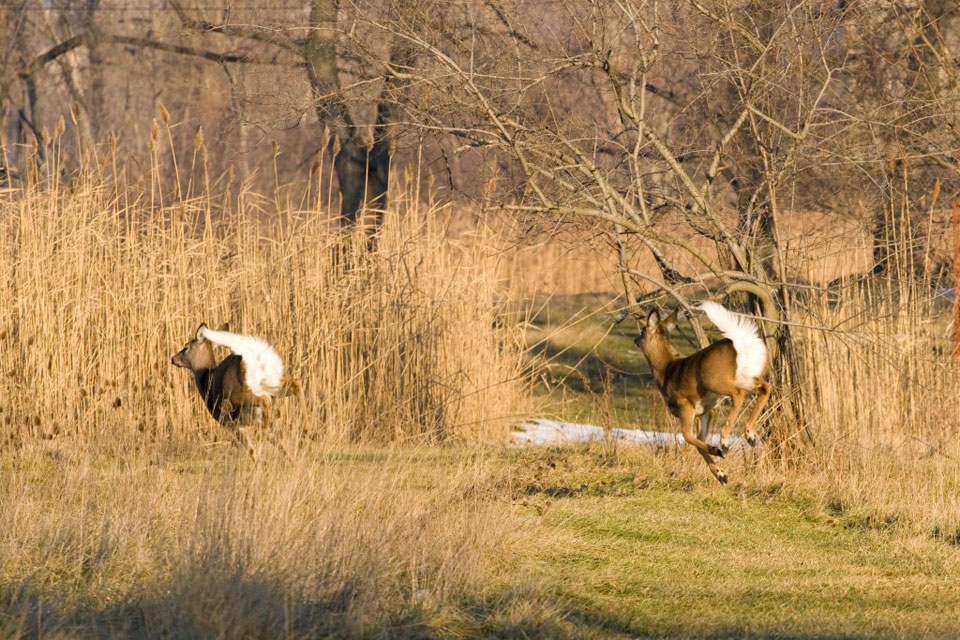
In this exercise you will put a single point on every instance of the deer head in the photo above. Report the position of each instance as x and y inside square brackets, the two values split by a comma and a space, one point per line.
[196, 354]
[654, 338]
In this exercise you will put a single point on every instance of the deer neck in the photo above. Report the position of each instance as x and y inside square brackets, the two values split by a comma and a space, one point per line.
[659, 357]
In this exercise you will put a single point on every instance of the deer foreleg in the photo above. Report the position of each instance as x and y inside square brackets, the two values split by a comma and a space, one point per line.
[233, 426]
[687, 416]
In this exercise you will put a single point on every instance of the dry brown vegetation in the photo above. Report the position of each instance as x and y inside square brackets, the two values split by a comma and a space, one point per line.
[127, 510]
[204, 544]
[106, 283]
[792, 159]
[130, 512]
[878, 367]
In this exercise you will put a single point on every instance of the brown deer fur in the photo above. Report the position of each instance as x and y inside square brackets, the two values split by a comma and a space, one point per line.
[222, 387]
[693, 385]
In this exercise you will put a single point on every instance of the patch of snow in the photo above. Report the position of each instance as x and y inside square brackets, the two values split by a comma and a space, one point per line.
[542, 431]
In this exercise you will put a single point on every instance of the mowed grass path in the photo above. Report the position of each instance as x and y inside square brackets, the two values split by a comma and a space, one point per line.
[664, 554]
[707, 561]
[634, 543]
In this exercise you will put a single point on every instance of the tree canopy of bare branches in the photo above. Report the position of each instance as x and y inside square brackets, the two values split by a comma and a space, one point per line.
[728, 115]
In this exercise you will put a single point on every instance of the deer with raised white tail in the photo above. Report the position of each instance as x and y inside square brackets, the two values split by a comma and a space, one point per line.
[693, 385]
[242, 386]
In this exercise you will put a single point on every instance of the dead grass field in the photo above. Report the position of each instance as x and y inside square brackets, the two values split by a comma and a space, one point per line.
[125, 512]
[579, 542]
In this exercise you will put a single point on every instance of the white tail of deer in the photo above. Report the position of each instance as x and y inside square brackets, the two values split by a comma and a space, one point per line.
[693, 385]
[243, 384]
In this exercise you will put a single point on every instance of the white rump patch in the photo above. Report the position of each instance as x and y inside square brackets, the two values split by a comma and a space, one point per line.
[263, 368]
[751, 350]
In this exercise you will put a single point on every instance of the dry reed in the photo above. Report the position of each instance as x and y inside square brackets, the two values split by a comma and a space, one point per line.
[879, 380]
[103, 283]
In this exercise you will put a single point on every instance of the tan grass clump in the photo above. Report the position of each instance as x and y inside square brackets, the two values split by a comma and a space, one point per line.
[880, 384]
[341, 545]
[103, 282]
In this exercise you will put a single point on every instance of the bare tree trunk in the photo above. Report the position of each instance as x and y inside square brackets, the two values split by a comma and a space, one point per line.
[96, 106]
[8, 28]
[362, 170]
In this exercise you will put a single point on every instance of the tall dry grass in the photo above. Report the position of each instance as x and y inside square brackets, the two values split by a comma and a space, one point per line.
[880, 382]
[104, 281]
[354, 543]
[126, 511]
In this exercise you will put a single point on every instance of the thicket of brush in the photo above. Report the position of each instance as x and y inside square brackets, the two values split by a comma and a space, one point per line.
[879, 379]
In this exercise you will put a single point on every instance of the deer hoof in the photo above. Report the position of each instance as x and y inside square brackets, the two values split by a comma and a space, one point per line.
[716, 451]
[722, 477]
[725, 445]
[751, 438]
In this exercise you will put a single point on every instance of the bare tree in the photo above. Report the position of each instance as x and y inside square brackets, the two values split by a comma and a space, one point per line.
[60, 54]
[915, 92]
[362, 165]
[725, 114]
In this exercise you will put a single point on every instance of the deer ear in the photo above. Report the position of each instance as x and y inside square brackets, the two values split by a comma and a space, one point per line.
[653, 319]
[670, 322]
[200, 330]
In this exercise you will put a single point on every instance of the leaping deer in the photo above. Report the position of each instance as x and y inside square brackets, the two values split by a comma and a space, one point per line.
[244, 383]
[693, 385]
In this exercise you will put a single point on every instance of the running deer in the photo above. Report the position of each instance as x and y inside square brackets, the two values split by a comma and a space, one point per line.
[692, 386]
[243, 386]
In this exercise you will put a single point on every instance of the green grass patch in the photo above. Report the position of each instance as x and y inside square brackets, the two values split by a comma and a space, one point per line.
[632, 551]
[593, 370]
[588, 541]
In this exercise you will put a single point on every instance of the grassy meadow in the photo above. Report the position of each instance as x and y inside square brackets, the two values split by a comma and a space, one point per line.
[126, 512]
[576, 542]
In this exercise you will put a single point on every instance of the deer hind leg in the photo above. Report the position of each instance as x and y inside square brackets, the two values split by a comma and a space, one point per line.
[738, 395]
[763, 395]
[292, 386]
[266, 407]
[705, 425]
[686, 419]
